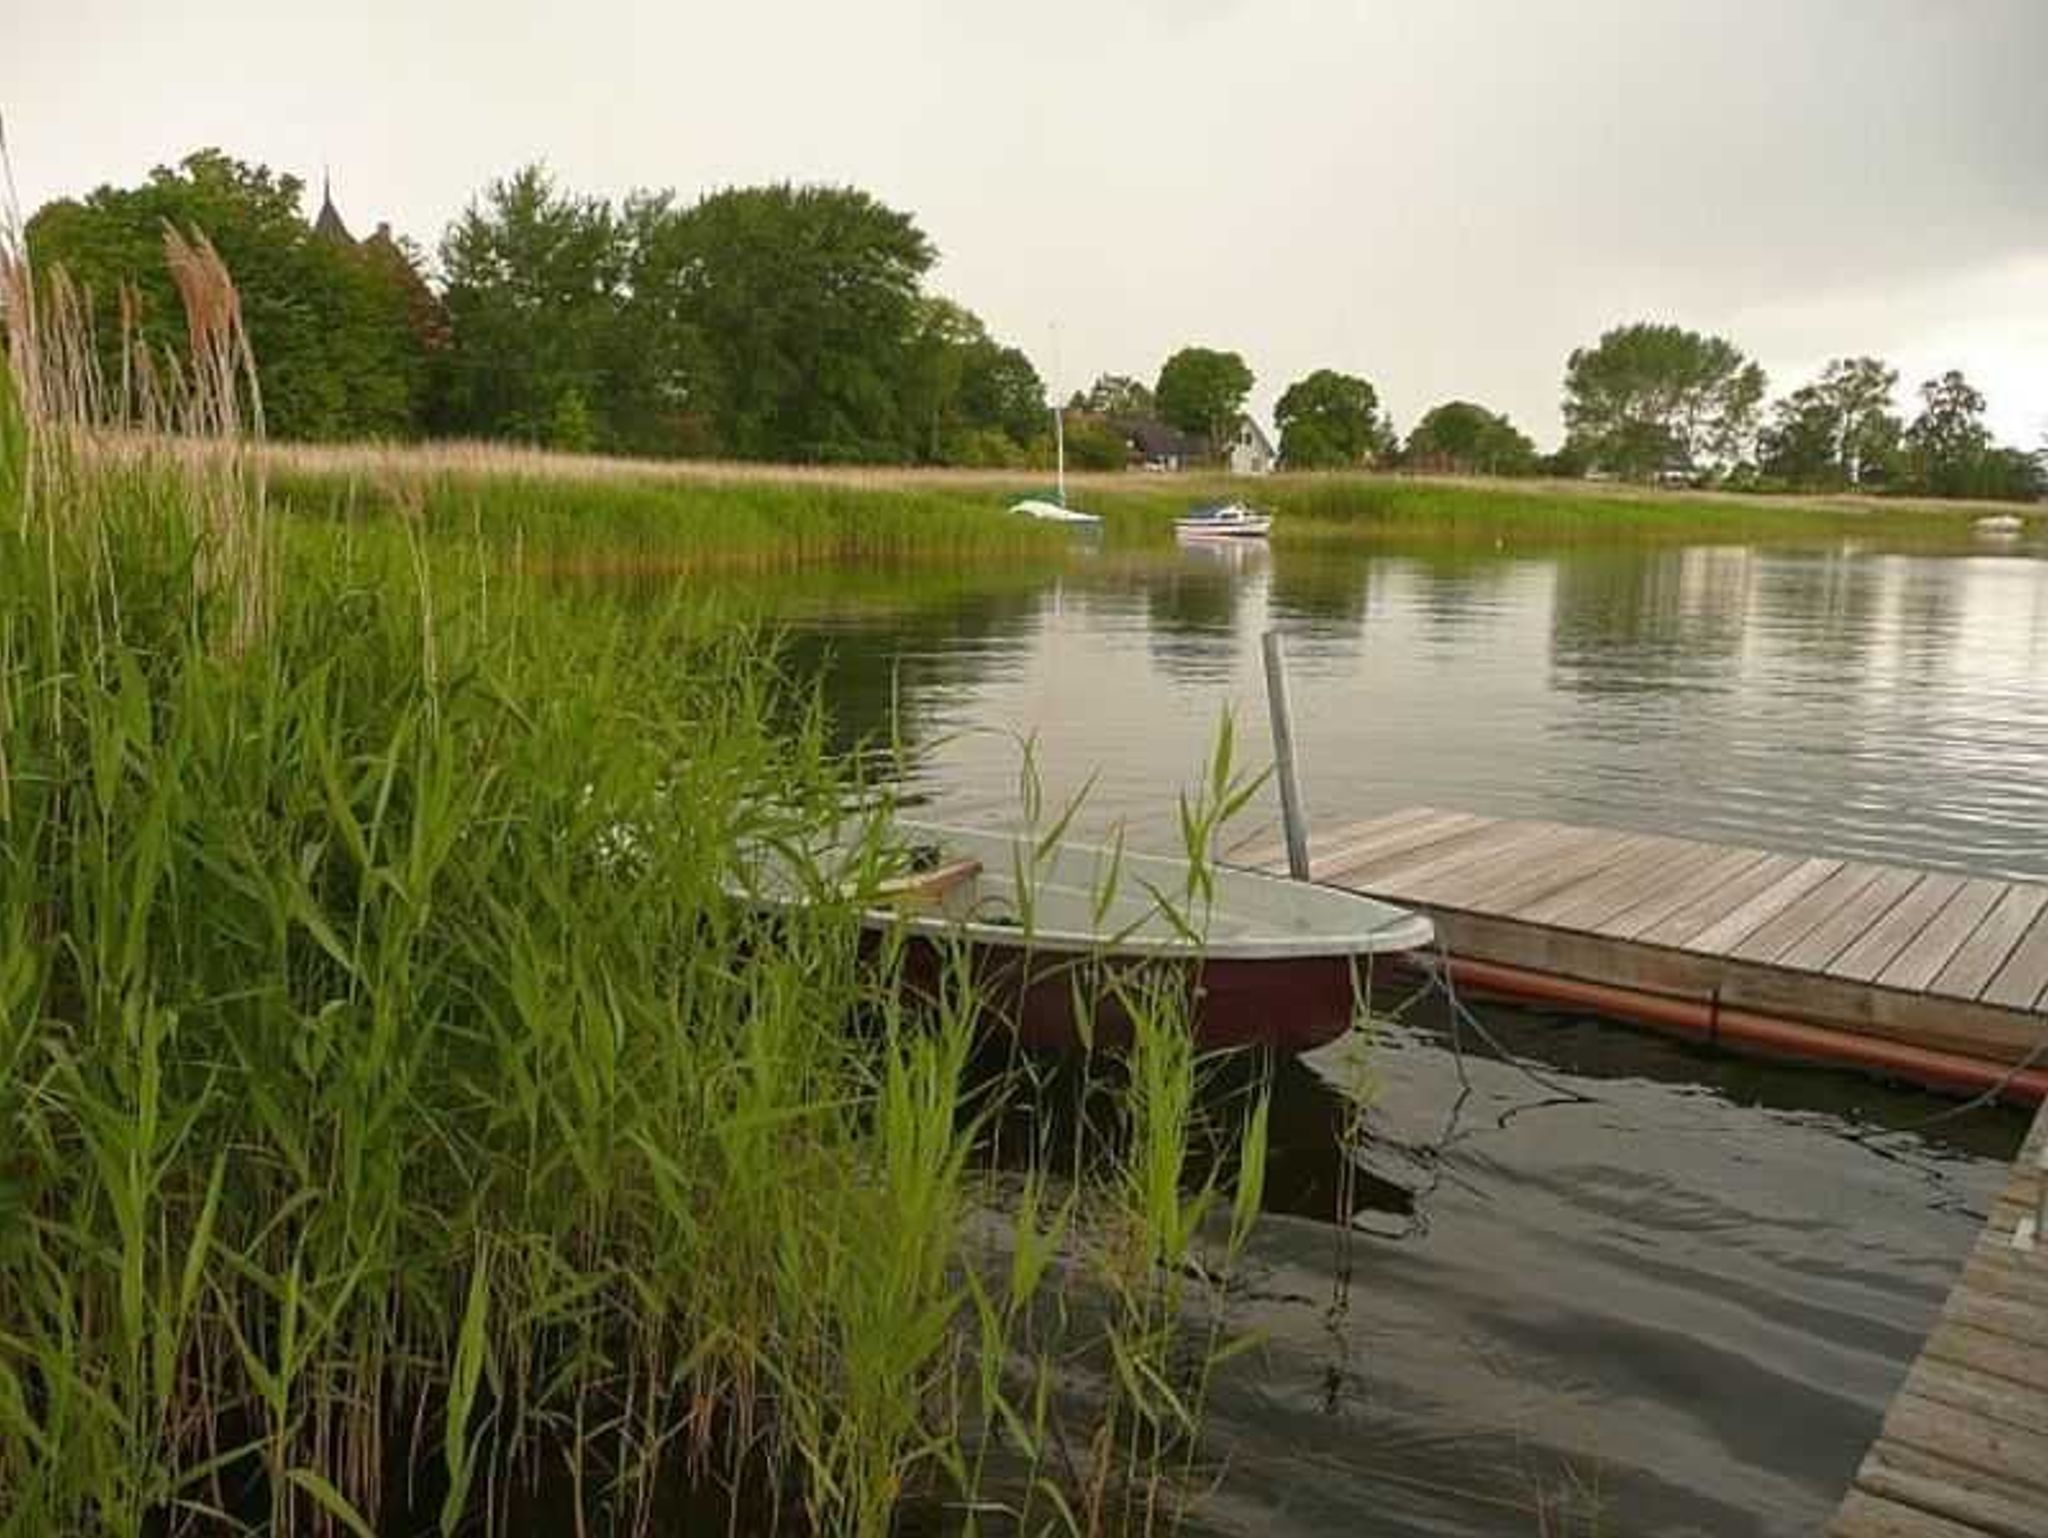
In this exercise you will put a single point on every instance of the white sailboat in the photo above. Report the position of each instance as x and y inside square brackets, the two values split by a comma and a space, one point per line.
[1056, 511]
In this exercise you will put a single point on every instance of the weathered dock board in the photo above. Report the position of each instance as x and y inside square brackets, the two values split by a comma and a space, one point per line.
[1964, 1447]
[1932, 961]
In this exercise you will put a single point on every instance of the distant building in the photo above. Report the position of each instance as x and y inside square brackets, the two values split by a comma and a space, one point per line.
[385, 253]
[1251, 451]
[1156, 446]
[327, 223]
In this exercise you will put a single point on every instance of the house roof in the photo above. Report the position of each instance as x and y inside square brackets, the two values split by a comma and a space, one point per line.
[1248, 421]
[1155, 440]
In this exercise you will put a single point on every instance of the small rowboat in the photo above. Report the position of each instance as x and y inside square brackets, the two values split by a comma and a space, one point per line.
[1224, 520]
[1052, 933]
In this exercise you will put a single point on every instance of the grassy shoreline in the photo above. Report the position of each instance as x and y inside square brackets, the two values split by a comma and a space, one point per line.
[597, 513]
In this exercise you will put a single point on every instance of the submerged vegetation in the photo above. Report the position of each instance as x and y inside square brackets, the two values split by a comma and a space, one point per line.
[401, 1129]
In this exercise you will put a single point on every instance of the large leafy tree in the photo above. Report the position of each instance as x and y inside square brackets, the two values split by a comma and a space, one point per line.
[1328, 421]
[967, 399]
[1649, 397]
[1469, 439]
[1948, 442]
[1798, 444]
[1838, 431]
[1118, 395]
[2011, 475]
[1867, 426]
[662, 392]
[1202, 390]
[331, 325]
[535, 283]
[806, 299]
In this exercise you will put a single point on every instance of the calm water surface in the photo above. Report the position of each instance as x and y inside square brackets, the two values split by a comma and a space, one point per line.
[1596, 1272]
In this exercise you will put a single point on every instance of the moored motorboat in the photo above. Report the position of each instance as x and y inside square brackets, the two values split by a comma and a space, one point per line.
[1224, 520]
[1059, 939]
[1999, 525]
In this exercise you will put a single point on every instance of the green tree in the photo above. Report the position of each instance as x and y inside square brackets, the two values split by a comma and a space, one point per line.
[1868, 429]
[1649, 397]
[329, 323]
[2011, 475]
[1467, 438]
[1001, 389]
[1838, 431]
[806, 299]
[1201, 390]
[1093, 443]
[1118, 395]
[534, 293]
[662, 389]
[1947, 443]
[961, 386]
[1797, 446]
[1328, 421]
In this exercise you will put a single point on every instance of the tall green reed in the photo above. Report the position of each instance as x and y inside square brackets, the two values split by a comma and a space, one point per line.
[397, 1113]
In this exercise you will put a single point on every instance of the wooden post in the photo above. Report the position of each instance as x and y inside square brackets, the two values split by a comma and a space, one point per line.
[1281, 709]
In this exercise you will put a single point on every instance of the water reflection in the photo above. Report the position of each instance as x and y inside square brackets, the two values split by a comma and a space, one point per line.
[1841, 700]
[1635, 623]
[1326, 598]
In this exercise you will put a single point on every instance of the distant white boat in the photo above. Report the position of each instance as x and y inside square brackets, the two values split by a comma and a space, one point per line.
[1053, 512]
[1224, 520]
[1056, 511]
[2000, 525]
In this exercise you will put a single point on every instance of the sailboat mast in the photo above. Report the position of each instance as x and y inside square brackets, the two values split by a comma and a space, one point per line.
[1059, 440]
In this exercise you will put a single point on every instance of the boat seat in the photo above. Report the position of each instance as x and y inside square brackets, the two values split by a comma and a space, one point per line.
[927, 886]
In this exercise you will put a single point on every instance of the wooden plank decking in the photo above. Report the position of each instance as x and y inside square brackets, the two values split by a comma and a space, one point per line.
[1950, 963]
[1958, 964]
[1964, 1447]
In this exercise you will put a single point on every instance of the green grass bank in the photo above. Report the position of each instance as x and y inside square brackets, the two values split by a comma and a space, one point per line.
[591, 513]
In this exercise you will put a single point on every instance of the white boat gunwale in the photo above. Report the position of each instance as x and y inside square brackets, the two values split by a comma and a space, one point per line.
[1352, 924]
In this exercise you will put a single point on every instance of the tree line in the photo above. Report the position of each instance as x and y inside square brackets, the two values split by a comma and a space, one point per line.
[775, 322]
[796, 323]
[1654, 401]
[1647, 402]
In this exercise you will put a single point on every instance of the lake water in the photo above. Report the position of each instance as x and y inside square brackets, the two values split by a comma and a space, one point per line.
[1608, 1274]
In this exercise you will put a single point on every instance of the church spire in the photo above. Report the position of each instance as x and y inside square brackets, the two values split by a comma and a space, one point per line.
[327, 224]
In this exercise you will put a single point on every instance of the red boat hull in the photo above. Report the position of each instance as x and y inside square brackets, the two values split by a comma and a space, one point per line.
[1062, 1002]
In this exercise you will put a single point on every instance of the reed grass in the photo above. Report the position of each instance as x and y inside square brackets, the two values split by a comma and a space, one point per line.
[749, 501]
[624, 527]
[397, 1114]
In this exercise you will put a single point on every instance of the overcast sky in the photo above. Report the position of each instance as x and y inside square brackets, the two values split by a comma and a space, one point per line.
[1445, 198]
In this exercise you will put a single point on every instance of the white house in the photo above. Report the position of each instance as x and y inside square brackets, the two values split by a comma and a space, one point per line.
[1251, 451]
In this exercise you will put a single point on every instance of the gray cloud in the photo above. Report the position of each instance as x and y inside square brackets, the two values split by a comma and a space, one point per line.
[1446, 198]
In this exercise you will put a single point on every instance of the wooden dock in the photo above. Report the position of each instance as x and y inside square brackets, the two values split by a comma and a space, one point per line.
[1929, 961]
[1926, 960]
[1964, 1447]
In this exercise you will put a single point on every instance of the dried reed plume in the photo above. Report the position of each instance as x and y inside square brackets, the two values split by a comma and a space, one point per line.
[189, 425]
